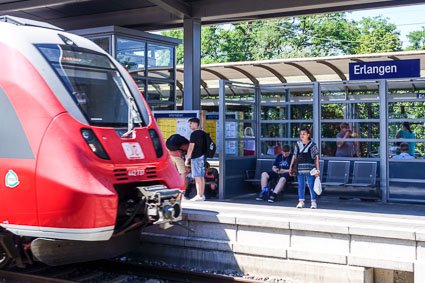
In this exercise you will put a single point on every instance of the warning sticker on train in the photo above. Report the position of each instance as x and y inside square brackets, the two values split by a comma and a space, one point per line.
[11, 179]
[133, 150]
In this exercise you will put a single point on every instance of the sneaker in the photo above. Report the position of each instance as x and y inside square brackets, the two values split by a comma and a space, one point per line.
[313, 204]
[198, 198]
[186, 198]
[272, 198]
[300, 204]
[261, 194]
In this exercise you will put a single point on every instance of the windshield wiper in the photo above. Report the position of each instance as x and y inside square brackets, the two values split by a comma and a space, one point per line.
[130, 123]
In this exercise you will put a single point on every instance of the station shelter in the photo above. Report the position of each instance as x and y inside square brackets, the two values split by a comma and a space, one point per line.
[149, 58]
[277, 98]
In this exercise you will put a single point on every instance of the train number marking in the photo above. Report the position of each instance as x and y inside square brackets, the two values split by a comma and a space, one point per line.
[133, 150]
[136, 172]
[12, 180]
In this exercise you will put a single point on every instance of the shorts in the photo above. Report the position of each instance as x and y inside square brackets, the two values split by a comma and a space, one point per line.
[179, 163]
[275, 177]
[198, 167]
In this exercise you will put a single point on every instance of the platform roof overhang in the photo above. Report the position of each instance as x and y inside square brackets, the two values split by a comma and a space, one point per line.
[294, 70]
[165, 14]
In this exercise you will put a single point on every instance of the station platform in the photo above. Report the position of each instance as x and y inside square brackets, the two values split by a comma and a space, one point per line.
[342, 241]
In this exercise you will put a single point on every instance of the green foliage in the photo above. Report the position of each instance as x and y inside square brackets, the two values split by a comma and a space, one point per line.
[310, 36]
[377, 35]
[417, 39]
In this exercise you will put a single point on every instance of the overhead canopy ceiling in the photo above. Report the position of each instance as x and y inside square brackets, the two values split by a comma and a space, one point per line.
[163, 14]
[289, 70]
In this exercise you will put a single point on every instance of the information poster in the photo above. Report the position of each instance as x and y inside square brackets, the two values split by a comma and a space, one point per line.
[231, 131]
[175, 122]
[212, 127]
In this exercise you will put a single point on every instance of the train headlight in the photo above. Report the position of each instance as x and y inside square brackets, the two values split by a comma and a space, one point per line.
[94, 144]
[156, 143]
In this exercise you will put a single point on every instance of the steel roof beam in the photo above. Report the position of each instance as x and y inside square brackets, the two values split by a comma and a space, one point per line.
[395, 58]
[304, 70]
[245, 73]
[174, 7]
[218, 75]
[203, 83]
[334, 68]
[273, 71]
[34, 4]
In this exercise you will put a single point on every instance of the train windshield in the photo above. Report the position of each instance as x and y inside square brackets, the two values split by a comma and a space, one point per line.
[95, 85]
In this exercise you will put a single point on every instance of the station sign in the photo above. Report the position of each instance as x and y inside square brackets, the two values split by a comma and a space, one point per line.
[410, 68]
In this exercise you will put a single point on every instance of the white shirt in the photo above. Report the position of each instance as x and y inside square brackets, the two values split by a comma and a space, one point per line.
[249, 144]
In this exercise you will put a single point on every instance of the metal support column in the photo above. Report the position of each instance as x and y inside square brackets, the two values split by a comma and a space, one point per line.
[257, 117]
[192, 64]
[222, 151]
[383, 139]
[316, 115]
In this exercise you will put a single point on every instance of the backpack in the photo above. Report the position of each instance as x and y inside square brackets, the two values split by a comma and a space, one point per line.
[210, 146]
[175, 141]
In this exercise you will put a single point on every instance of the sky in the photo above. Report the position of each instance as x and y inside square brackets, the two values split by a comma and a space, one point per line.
[406, 18]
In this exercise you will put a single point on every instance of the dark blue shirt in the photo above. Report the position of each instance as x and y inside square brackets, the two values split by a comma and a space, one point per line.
[281, 162]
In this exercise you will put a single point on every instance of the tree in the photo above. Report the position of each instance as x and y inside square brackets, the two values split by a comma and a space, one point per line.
[417, 39]
[309, 36]
[377, 35]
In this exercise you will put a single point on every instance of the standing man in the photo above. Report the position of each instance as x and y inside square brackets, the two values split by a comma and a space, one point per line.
[196, 156]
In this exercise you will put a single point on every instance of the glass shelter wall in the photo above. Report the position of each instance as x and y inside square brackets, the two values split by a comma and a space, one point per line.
[284, 111]
[406, 138]
[238, 115]
[372, 125]
[350, 125]
[149, 58]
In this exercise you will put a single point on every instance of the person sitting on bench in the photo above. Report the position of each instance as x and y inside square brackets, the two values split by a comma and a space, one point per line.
[279, 174]
[404, 152]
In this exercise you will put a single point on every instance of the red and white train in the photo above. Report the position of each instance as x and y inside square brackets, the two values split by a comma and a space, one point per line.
[83, 164]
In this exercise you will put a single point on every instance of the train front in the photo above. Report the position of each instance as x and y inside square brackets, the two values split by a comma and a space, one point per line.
[102, 172]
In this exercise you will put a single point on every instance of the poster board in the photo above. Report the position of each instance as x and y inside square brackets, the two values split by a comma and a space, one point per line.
[231, 131]
[175, 122]
[212, 126]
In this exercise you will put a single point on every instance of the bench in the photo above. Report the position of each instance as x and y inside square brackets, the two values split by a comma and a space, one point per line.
[338, 173]
[264, 165]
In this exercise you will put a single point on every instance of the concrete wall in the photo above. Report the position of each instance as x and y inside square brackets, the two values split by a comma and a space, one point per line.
[325, 251]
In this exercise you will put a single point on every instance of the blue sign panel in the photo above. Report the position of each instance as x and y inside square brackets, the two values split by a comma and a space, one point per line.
[420, 95]
[385, 69]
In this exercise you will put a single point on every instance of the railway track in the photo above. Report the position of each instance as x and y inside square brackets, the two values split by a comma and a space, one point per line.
[107, 271]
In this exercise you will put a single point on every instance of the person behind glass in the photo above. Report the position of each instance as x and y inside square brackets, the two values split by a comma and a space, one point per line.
[196, 158]
[404, 152]
[306, 153]
[407, 133]
[280, 173]
[211, 181]
[345, 148]
[249, 145]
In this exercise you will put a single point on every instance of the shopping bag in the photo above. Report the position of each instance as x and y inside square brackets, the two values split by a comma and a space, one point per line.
[317, 186]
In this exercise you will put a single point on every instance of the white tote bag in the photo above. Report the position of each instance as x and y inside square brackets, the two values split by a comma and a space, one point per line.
[317, 186]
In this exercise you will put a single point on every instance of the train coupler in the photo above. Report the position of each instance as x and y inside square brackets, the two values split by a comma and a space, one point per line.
[163, 205]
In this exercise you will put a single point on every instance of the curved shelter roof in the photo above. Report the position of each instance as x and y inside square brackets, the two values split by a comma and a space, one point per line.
[292, 70]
